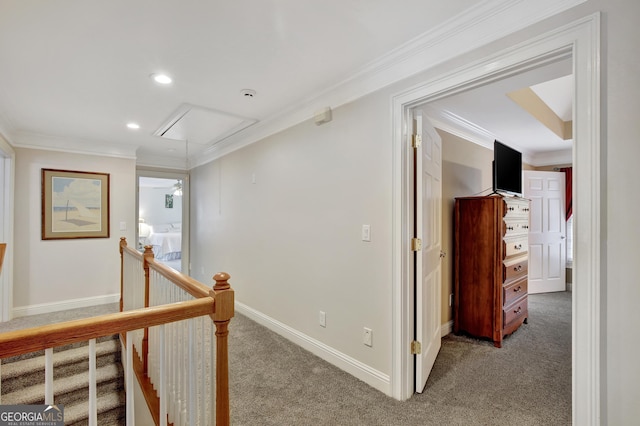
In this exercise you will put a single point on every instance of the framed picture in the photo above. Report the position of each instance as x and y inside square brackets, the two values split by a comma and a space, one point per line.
[74, 204]
[168, 201]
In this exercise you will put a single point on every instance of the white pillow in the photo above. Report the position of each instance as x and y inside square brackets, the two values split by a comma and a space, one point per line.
[161, 228]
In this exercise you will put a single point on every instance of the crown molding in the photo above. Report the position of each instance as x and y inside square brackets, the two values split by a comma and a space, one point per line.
[72, 145]
[488, 21]
[458, 126]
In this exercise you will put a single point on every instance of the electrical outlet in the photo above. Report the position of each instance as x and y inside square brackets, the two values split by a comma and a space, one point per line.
[323, 319]
[367, 337]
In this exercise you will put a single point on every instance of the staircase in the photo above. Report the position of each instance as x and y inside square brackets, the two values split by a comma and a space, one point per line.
[23, 381]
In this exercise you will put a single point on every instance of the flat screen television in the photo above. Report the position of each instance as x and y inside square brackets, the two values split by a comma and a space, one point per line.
[507, 169]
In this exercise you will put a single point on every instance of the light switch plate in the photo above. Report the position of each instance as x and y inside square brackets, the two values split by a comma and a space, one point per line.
[366, 232]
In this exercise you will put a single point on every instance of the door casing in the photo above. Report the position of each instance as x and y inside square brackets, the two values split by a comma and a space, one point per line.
[580, 41]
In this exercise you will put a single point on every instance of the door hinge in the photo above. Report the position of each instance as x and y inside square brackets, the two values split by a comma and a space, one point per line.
[416, 244]
[416, 140]
[416, 348]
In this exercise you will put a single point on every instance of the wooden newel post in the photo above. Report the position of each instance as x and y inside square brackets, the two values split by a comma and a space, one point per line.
[224, 311]
[123, 244]
[148, 254]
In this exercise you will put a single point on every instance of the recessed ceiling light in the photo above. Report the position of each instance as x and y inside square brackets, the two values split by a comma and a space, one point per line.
[134, 126]
[161, 78]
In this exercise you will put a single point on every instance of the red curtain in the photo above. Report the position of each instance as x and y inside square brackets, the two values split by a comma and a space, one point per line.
[568, 179]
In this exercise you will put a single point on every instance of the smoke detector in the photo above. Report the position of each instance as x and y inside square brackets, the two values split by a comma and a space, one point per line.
[248, 93]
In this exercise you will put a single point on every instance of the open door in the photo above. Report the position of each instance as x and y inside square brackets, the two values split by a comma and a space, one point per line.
[427, 246]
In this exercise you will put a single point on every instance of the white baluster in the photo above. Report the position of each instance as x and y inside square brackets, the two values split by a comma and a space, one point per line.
[129, 380]
[184, 373]
[203, 366]
[172, 364]
[48, 376]
[192, 382]
[162, 385]
[212, 372]
[93, 404]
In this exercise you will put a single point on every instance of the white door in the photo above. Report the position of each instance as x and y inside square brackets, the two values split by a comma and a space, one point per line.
[547, 231]
[428, 214]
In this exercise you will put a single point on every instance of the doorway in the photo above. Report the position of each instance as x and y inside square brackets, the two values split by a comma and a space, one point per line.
[7, 161]
[578, 42]
[163, 210]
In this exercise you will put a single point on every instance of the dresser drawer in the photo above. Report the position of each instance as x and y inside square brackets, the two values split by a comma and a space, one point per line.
[515, 268]
[513, 291]
[515, 227]
[516, 246]
[515, 311]
[516, 207]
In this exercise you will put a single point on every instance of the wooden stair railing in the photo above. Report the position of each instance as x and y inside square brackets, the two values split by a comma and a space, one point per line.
[222, 294]
[20, 342]
[47, 337]
[217, 303]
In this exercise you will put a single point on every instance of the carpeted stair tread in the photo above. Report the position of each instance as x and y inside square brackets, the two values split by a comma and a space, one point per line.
[105, 403]
[80, 354]
[35, 394]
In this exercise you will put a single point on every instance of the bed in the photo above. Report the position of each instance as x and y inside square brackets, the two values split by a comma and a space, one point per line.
[166, 241]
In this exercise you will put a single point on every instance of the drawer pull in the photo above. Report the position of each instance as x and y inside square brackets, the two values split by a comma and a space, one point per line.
[518, 311]
[518, 247]
[511, 209]
[510, 228]
[517, 290]
[518, 268]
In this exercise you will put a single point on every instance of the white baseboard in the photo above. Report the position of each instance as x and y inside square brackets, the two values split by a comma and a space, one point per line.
[446, 328]
[371, 376]
[46, 308]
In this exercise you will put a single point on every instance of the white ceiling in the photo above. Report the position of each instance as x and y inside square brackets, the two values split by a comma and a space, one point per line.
[487, 113]
[75, 72]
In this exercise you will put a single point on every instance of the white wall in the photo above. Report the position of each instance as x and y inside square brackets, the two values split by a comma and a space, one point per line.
[152, 206]
[49, 275]
[290, 241]
[622, 233]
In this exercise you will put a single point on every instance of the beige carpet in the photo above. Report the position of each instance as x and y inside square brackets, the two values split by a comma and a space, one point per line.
[526, 382]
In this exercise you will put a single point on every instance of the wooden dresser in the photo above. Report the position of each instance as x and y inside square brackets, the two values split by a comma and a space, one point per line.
[491, 262]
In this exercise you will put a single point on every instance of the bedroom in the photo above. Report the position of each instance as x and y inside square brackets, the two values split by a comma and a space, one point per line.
[160, 218]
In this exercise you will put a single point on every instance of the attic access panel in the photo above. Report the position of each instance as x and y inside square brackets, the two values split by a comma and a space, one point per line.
[202, 126]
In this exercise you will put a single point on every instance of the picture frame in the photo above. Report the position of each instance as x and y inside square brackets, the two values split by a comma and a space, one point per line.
[75, 204]
[168, 201]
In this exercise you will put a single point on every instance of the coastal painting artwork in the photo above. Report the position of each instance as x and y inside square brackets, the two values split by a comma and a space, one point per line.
[74, 204]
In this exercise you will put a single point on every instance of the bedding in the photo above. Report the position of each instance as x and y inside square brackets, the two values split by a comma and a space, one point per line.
[166, 242]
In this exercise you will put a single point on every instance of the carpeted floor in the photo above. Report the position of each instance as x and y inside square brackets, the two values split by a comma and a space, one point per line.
[526, 382]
